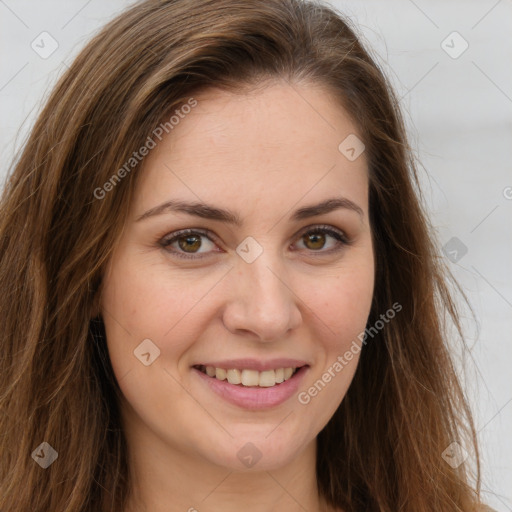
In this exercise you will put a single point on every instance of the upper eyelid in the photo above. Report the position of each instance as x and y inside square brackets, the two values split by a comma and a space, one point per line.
[182, 232]
[213, 237]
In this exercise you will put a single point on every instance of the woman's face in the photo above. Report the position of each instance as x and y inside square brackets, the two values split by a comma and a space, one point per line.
[259, 287]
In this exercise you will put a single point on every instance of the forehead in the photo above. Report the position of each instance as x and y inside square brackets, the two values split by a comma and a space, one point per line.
[278, 143]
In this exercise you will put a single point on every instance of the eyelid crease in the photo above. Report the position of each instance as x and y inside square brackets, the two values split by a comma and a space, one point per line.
[336, 233]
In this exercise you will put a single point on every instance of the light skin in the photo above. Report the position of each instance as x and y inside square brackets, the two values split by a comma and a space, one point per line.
[263, 155]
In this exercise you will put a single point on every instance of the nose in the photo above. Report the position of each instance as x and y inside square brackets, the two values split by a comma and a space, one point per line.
[261, 302]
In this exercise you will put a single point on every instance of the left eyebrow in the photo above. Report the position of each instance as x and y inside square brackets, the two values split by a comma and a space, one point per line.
[327, 206]
[206, 211]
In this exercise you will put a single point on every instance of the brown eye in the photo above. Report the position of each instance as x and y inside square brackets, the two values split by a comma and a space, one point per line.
[189, 243]
[314, 241]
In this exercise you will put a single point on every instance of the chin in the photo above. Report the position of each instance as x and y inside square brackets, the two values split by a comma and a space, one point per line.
[258, 450]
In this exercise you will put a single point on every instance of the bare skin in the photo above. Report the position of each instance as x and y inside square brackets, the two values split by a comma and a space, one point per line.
[262, 155]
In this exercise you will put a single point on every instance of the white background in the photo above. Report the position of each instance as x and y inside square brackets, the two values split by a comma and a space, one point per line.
[459, 115]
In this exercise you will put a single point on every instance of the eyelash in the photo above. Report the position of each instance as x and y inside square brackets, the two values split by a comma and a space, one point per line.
[336, 234]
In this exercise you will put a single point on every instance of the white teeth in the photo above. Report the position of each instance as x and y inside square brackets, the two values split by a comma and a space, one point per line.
[267, 379]
[250, 378]
[220, 374]
[234, 377]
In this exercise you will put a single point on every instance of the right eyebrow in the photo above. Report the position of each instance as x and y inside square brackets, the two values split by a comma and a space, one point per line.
[211, 212]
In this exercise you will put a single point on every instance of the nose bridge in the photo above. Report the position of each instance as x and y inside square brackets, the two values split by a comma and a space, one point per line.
[263, 302]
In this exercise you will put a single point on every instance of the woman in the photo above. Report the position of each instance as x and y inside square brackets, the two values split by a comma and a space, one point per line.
[220, 288]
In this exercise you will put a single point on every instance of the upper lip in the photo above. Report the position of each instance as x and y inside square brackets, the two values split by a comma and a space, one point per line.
[255, 364]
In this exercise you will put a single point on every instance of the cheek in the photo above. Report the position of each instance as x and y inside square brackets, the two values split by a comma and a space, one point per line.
[339, 310]
[142, 301]
[145, 300]
[342, 303]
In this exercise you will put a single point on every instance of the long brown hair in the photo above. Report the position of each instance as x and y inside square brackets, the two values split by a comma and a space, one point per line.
[382, 450]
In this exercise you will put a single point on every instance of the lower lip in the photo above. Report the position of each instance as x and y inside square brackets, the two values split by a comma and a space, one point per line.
[254, 398]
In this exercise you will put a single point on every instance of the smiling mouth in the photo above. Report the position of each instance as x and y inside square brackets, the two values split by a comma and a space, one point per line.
[249, 378]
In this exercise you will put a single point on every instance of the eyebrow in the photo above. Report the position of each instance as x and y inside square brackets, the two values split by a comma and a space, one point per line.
[206, 211]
